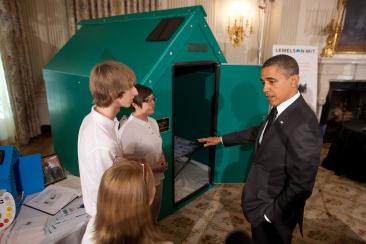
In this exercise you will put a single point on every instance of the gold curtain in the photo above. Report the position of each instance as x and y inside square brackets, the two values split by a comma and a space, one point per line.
[89, 9]
[19, 78]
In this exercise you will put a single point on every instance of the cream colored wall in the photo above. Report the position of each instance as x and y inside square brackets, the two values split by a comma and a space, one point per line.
[314, 15]
[217, 19]
[298, 22]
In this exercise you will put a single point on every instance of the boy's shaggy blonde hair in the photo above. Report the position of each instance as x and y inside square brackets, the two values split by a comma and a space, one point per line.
[109, 80]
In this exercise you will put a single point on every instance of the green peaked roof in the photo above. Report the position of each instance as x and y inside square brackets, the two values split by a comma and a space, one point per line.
[166, 13]
[123, 38]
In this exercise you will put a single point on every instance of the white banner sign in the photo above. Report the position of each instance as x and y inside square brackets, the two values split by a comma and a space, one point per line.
[307, 58]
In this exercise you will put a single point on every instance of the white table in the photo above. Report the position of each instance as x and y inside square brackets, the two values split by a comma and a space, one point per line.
[29, 225]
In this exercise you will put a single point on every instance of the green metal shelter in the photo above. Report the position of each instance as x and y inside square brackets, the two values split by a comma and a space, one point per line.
[198, 94]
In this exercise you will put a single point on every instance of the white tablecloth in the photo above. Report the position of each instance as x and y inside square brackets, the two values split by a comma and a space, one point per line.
[29, 225]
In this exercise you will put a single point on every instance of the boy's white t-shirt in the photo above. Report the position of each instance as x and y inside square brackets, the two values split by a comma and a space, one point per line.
[97, 148]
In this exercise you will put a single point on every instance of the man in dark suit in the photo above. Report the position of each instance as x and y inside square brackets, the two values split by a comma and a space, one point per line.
[286, 159]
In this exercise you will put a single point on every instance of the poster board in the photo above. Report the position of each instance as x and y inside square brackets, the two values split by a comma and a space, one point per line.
[307, 58]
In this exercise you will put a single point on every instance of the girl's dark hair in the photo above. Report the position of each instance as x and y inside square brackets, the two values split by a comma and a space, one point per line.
[143, 93]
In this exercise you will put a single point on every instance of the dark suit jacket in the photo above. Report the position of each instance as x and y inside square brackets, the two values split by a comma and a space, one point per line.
[284, 167]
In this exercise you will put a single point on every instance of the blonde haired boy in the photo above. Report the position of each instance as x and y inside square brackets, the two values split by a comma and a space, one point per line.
[112, 86]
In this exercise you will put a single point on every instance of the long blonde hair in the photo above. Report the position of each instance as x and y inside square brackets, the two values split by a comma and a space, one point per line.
[123, 205]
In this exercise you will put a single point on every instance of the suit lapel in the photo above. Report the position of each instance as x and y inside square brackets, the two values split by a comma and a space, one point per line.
[259, 134]
[280, 123]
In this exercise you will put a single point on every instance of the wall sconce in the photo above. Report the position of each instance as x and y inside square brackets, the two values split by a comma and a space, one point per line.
[239, 28]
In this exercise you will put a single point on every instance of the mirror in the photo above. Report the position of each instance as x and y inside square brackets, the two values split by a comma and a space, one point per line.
[194, 116]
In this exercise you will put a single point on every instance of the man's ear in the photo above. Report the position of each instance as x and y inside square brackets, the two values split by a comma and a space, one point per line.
[294, 80]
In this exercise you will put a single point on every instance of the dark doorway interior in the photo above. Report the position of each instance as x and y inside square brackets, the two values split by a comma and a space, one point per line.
[194, 116]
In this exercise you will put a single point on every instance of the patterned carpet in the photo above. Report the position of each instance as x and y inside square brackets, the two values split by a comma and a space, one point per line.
[335, 213]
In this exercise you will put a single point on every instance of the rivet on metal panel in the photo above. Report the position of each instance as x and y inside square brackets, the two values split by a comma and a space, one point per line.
[191, 26]
[79, 82]
[205, 25]
[170, 53]
[219, 52]
[150, 81]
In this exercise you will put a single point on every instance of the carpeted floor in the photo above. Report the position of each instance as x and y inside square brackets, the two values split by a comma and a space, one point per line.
[335, 213]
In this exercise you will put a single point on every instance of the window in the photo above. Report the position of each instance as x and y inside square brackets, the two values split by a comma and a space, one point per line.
[7, 128]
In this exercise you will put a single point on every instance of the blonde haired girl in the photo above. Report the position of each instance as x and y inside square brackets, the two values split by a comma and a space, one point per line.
[125, 194]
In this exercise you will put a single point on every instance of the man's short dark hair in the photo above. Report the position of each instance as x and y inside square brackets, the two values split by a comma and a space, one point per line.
[285, 62]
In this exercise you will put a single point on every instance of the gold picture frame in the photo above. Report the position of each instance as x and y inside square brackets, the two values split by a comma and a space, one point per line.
[347, 32]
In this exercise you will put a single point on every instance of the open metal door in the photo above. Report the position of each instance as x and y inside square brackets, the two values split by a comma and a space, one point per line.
[241, 104]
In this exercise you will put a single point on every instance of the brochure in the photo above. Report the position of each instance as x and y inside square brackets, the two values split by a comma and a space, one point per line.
[52, 199]
[67, 220]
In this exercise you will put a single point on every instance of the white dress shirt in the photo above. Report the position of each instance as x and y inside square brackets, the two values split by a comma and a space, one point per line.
[280, 109]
